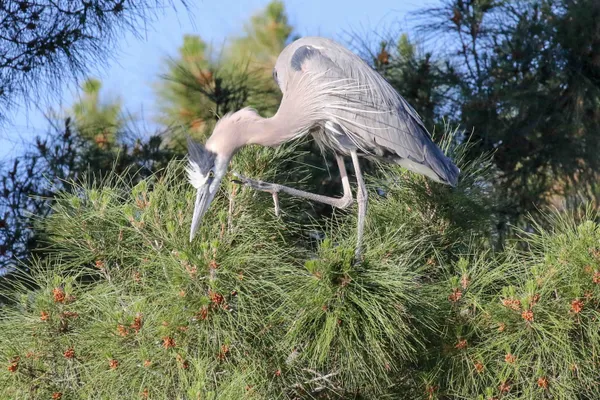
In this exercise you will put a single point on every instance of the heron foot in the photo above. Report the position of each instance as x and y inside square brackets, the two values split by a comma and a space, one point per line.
[255, 184]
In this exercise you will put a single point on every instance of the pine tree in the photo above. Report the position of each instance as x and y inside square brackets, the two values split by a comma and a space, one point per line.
[97, 121]
[91, 140]
[187, 95]
[264, 37]
[45, 43]
[126, 306]
[198, 87]
[416, 75]
[524, 79]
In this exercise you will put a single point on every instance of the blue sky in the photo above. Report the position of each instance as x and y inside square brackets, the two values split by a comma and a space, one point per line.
[139, 61]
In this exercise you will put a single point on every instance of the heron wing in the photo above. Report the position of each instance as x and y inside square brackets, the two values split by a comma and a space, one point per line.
[377, 119]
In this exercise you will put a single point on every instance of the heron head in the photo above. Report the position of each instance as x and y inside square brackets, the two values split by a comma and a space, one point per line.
[205, 171]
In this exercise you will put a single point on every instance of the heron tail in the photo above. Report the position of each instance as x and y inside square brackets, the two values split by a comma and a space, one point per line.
[445, 170]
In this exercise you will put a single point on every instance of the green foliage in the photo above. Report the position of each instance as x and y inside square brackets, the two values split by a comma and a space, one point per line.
[265, 37]
[353, 321]
[142, 293]
[120, 305]
[63, 156]
[198, 87]
[525, 325]
[45, 43]
[523, 75]
[94, 120]
[452, 219]
[416, 74]
[190, 95]
[125, 306]
[248, 310]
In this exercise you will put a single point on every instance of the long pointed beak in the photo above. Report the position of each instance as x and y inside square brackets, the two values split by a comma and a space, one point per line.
[200, 207]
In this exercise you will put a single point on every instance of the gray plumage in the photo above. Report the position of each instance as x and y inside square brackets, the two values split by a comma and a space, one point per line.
[357, 108]
[332, 94]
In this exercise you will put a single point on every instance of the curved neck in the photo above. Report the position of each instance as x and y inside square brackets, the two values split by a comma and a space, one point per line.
[231, 134]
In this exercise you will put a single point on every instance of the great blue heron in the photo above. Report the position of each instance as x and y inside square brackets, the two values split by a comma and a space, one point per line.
[349, 108]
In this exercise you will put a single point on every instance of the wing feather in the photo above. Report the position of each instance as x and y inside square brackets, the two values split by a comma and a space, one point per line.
[377, 119]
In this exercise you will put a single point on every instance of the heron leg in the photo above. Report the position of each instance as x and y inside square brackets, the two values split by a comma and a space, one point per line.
[274, 189]
[362, 199]
[344, 178]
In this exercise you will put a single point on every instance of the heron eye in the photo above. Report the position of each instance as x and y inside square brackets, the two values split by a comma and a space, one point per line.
[275, 74]
[211, 174]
